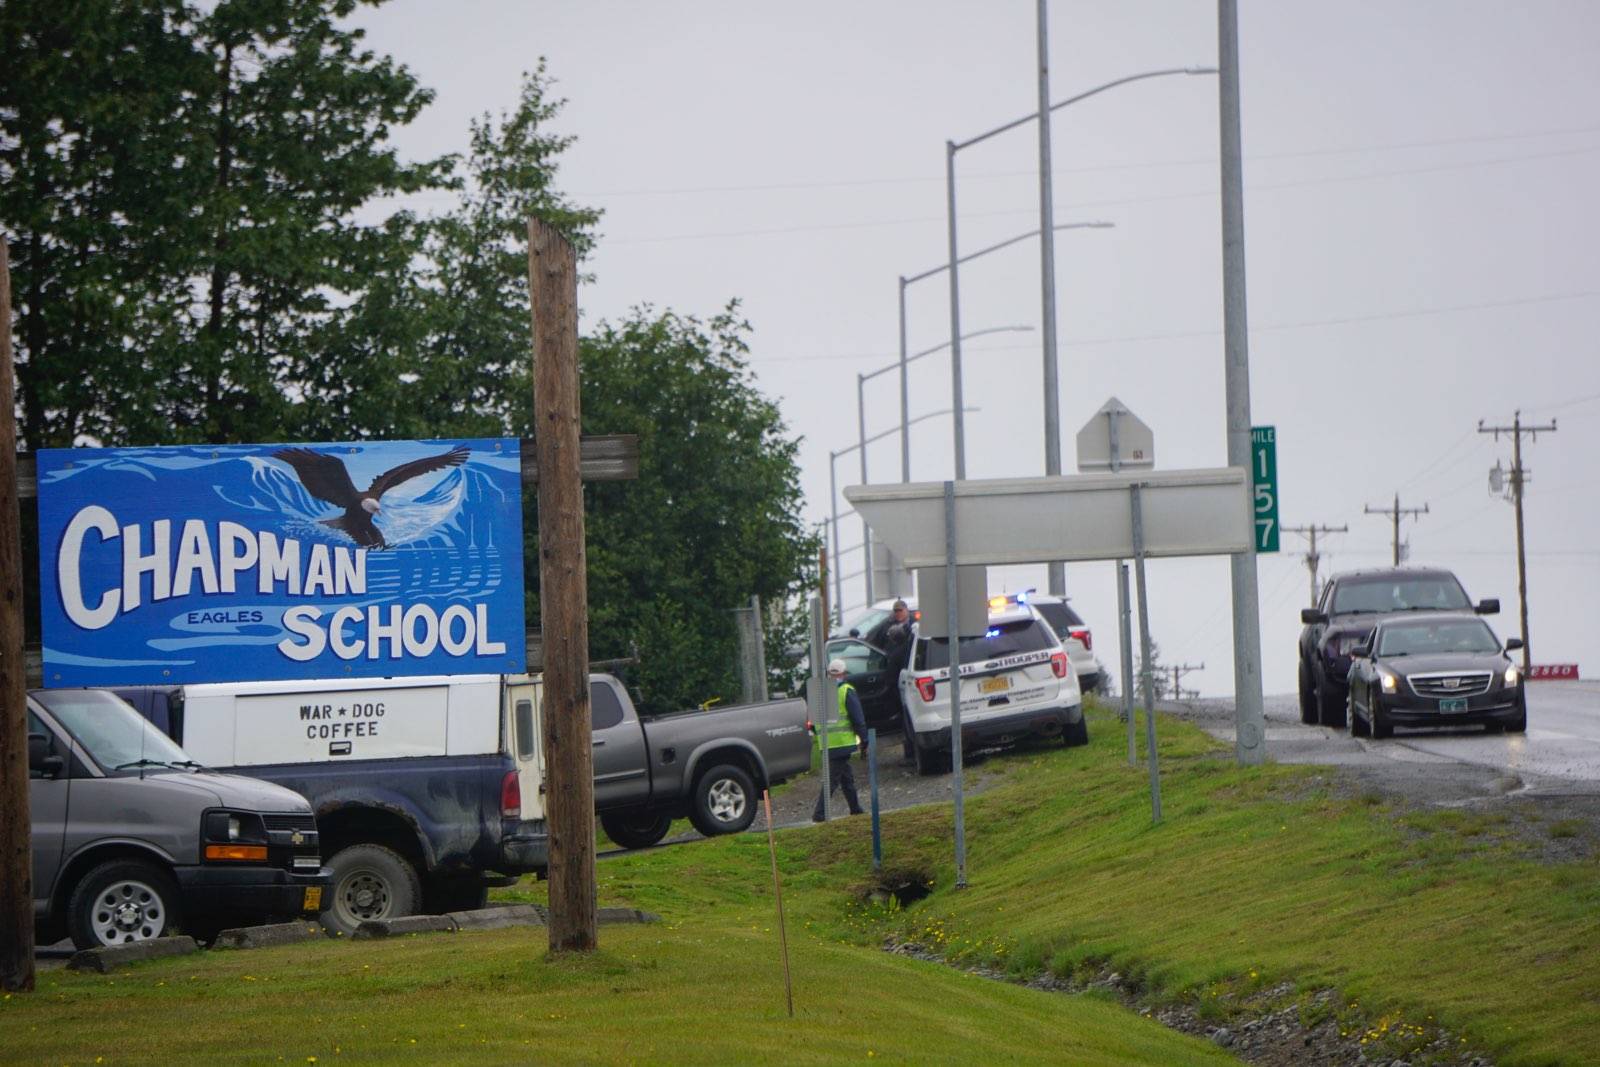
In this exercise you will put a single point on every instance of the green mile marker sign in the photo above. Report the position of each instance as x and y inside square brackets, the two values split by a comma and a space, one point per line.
[1264, 475]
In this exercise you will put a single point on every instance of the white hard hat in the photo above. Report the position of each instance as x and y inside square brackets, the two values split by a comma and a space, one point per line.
[837, 667]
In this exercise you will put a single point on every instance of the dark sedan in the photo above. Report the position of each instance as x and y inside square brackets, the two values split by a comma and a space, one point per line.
[1435, 670]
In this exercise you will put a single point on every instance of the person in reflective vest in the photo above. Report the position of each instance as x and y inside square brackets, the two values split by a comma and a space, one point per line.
[845, 734]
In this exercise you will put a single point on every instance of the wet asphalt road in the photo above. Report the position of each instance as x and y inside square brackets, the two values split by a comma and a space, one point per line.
[1560, 753]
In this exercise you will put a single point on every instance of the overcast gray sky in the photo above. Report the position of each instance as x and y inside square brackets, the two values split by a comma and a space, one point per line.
[1420, 217]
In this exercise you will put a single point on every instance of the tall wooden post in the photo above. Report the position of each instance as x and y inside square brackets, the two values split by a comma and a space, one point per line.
[563, 593]
[16, 851]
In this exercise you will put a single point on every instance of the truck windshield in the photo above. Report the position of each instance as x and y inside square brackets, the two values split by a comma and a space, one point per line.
[1422, 592]
[113, 734]
[1003, 639]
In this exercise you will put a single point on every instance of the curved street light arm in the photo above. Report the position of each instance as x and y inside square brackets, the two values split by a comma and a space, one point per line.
[1083, 96]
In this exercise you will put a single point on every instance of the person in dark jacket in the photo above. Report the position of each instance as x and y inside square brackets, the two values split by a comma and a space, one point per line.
[846, 733]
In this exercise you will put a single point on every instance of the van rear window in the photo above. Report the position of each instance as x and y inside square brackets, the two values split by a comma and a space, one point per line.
[1003, 639]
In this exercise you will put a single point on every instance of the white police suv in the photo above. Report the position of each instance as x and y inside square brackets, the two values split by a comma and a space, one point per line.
[1016, 682]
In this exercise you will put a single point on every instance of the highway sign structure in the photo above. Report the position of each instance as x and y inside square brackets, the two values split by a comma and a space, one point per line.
[1264, 482]
[1115, 438]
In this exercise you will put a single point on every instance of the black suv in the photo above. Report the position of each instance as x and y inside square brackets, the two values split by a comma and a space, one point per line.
[1351, 604]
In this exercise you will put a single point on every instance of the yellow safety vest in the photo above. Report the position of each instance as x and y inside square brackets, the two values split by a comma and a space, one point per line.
[840, 734]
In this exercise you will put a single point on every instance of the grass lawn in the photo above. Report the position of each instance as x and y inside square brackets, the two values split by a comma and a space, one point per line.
[1255, 878]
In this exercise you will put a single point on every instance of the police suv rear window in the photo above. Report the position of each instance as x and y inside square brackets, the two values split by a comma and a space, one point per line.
[1060, 617]
[1003, 639]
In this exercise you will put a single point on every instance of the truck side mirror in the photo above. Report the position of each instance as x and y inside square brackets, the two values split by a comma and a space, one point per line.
[1311, 616]
[1491, 606]
[41, 763]
[1513, 643]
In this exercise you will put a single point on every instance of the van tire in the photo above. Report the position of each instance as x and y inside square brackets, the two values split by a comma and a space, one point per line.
[369, 882]
[635, 829]
[724, 801]
[143, 894]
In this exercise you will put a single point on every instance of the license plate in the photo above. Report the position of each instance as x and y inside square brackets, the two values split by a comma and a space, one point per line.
[1453, 704]
[994, 685]
[313, 901]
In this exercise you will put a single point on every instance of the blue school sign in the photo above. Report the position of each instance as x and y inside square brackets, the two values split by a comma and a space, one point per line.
[257, 562]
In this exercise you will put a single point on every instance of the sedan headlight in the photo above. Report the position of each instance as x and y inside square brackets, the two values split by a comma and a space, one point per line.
[1512, 674]
[1388, 680]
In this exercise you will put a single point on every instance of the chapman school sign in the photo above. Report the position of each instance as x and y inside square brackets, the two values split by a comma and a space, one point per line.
[260, 562]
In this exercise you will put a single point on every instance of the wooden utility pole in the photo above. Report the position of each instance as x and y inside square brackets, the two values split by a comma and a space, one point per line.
[1395, 513]
[16, 847]
[563, 593]
[1314, 558]
[1519, 478]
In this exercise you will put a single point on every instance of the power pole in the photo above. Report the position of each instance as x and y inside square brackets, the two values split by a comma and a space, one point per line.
[1178, 671]
[1313, 558]
[563, 592]
[1395, 513]
[16, 845]
[1519, 477]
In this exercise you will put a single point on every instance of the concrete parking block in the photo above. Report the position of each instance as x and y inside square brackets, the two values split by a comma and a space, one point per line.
[104, 960]
[410, 924]
[266, 936]
[626, 915]
[499, 918]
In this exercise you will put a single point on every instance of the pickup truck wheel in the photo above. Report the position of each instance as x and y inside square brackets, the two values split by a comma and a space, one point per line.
[724, 801]
[370, 882]
[122, 901]
[1330, 704]
[636, 829]
[1308, 696]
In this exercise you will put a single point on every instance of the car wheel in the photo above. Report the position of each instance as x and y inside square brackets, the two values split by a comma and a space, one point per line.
[1359, 727]
[1074, 734]
[122, 901]
[1330, 704]
[930, 761]
[636, 829]
[724, 801]
[370, 882]
[1381, 727]
[908, 739]
[1519, 725]
[1308, 696]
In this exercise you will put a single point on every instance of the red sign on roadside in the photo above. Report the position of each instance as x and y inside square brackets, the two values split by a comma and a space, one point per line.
[1540, 671]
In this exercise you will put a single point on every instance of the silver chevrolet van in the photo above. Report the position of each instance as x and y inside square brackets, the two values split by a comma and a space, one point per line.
[132, 839]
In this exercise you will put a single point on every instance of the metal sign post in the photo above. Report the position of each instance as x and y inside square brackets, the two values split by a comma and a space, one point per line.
[872, 783]
[1144, 644]
[817, 692]
[951, 600]
[1125, 621]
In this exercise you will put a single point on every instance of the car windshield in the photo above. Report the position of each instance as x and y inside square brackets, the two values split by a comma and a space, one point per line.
[1412, 592]
[1060, 617]
[110, 730]
[865, 621]
[1003, 639]
[1418, 638]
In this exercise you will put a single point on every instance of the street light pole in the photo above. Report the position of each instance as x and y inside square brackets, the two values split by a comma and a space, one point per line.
[1047, 282]
[905, 392]
[861, 427]
[1250, 724]
[956, 402]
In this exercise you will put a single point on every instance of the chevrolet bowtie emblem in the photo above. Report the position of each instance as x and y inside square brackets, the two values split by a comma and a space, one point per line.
[297, 838]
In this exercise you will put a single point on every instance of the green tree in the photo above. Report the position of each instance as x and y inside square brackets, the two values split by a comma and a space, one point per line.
[714, 516]
[184, 188]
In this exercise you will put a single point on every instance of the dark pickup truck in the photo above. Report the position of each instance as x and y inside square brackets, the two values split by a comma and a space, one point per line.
[429, 790]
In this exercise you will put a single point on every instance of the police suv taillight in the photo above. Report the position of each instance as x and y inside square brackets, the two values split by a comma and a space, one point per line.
[1058, 664]
[925, 689]
[510, 796]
